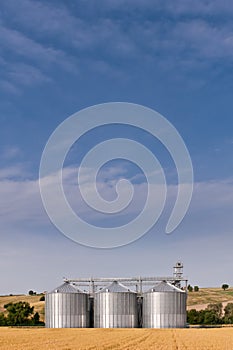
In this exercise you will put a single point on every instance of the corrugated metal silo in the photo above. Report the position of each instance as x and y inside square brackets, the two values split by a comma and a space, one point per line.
[164, 306]
[115, 307]
[66, 307]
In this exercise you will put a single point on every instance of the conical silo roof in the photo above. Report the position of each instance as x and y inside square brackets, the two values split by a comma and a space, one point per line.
[115, 287]
[165, 287]
[66, 288]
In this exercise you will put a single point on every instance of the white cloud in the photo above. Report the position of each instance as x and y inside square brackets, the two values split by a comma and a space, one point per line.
[13, 172]
[22, 203]
[11, 152]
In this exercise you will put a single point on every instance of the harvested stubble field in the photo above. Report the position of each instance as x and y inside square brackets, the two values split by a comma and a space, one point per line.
[123, 339]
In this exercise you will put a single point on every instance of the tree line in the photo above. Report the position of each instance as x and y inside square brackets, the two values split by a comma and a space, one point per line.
[214, 314]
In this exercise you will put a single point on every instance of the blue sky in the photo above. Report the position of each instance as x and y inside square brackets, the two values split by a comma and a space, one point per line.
[57, 57]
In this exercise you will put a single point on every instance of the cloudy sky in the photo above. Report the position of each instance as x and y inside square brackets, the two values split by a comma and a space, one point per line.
[58, 57]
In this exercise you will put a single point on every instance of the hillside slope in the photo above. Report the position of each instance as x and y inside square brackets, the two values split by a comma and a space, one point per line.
[200, 300]
[32, 300]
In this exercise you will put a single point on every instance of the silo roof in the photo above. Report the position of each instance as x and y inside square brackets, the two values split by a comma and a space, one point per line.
[115, 287]
[66, 288]
[165, 287]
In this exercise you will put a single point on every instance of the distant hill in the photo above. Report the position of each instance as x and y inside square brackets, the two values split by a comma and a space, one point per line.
[199, 300]
[33, 300]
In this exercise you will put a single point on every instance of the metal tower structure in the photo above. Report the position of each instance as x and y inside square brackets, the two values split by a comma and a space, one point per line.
[93, 284]
[178, 273]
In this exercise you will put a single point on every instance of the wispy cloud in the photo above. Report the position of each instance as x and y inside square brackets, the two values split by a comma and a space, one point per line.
[22, 203]
[27, 75]
[16, 75]
[179, 7]
[15, 173]
[42, 35]
[30, 60]
[20, 44]
[199, 7]
[8, 87]
[11, 152]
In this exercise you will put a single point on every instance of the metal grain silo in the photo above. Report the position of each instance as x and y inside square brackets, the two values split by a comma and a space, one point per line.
[164, 306]
[66, 307]
[115, 307]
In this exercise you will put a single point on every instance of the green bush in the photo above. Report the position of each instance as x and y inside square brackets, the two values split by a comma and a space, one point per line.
[212, 315]
[3, 320]
[228, 318]
[225, 286]
[20, 314]
[190, 288]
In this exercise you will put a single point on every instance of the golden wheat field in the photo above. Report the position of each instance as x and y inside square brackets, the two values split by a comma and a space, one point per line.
[94, 339]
